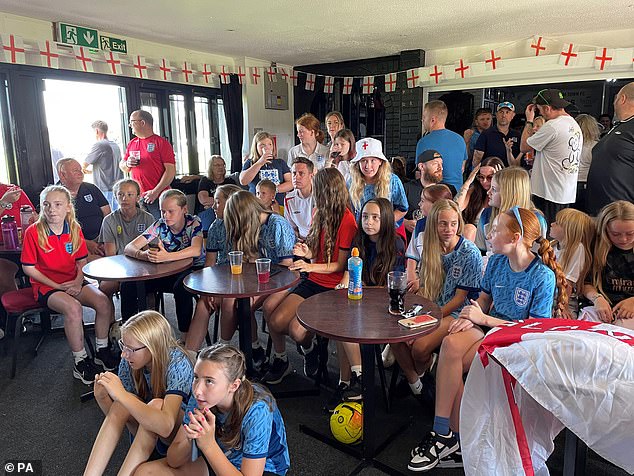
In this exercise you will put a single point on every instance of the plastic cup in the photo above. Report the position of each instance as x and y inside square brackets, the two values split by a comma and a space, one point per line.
[263, 268]
[135, 157]
[396, 287]
[235, 260]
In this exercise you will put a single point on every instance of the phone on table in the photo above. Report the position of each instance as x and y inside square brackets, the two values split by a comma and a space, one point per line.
[418, 321]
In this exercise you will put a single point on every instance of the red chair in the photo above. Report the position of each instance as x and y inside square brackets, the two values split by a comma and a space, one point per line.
[19, 304]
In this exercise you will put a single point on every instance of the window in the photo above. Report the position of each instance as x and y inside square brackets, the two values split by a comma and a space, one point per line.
[5, 158]
[178, 120]
[150, 103]
[225, 149]
[203, 132]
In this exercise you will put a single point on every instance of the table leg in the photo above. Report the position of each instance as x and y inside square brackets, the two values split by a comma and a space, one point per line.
[575, 453]
[369, 405]
[244, 329]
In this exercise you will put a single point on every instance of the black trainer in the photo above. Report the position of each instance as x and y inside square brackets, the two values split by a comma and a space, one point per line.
[454, 460]
[258, 356]
[336, 398]
[107, 359]
[431, 450]
[311, 361]
[278, 370]
[354, 391]
[85, 370]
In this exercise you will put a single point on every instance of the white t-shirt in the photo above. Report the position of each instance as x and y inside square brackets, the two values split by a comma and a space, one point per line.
[585, 160]
[318, 157]
[558, 147]
[299, 212]
[576, 263]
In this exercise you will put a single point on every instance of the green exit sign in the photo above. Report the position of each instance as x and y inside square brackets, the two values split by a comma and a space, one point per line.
[78, 35]
[117, 45]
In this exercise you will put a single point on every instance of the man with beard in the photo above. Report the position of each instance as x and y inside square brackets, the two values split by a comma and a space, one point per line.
[500, 141]
[429, 165]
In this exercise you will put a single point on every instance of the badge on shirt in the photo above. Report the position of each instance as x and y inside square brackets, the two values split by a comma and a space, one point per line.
[522, 297]
[456, 272]
[270, 174]
[88, 198]
[119, 230]
[69, 247]
[140, 227]
[151, 146]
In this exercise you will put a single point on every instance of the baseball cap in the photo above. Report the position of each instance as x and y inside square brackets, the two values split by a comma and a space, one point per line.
[506, 104]
[427, 155]
[550, 97]
[369, 147]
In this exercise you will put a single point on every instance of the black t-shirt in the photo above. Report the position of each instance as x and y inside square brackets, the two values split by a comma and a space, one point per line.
[206, 185]
[399, 264]
[88, 203]
[611, 174]
[491, 142]
[413, 189]
[618, 275]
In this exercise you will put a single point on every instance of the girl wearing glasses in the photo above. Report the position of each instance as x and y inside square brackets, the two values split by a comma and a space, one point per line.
[473, 196]
[149, 395]
[516, 285]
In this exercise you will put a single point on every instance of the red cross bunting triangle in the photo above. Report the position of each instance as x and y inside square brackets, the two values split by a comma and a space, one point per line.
[140, 67]
[206, 72]
[83, 59]
[113, 62]
[492, 61]
[568, 55]
[255, 75]
[537, 45]
[368, 85]
[435, 73]
[187, 72]
[413, 75]
[225, 75]
[270, 72]
[49, 57]
[347, 85]
[462, 69]
[241, 74]
[293, 76]
[13, 49]
[329, 84]
[282, 72]
[390, 82]
[603, 58]
[310, 82]
[165, 70]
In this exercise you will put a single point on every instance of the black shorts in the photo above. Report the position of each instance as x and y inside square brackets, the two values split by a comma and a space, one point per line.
[43, 298]
[308, 288]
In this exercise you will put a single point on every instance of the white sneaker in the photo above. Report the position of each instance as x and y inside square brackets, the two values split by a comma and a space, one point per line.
[388, 356]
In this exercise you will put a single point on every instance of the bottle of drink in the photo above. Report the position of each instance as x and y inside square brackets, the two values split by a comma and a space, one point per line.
[25, 215]
[355, 270]
[9, 232]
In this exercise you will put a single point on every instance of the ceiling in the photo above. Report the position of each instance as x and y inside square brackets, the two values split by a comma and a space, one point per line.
[299, 32]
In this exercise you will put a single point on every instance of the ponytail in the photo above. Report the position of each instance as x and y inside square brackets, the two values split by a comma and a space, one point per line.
[547, 254]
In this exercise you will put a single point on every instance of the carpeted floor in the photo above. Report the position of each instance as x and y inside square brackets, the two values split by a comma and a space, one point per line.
[42, 418]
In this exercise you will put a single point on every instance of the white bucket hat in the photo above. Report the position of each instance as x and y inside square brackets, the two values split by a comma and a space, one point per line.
[369, 148]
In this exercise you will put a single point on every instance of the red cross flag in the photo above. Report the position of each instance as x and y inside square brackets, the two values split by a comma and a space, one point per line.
[206, 72]
[241, 74]
[413, 75]
[603, 58]
[140, 67]
[83, 59]
[310, 82]
[293, 76]
[187, 72]
[13, 49]
[462, 69]
[537, 45]
[368, 84]
[329, 83]
[113, 62]
[255, 75]
[283, 74]
[347, 85]
[390, 82]
[49, 57]
[165, 69]
[225, 75]
[492, 61]
[435, 73]
[568, 55]
[270, 72]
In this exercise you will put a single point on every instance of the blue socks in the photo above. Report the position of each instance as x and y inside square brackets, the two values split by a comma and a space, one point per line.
[441, 425]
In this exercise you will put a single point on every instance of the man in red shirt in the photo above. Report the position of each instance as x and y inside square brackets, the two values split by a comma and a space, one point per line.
[150, 161]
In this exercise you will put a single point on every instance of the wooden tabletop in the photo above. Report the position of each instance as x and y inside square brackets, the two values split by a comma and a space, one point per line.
[366, 321]
[123, 268]
[218, 281]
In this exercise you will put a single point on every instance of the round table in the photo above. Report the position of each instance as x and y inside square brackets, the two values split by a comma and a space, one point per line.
[367, 322]
[123, 268]
[218, 281]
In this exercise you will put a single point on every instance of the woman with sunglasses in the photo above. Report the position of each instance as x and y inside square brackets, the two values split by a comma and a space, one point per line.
[149, 395]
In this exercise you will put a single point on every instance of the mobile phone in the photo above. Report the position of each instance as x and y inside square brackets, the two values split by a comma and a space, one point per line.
[418, 321]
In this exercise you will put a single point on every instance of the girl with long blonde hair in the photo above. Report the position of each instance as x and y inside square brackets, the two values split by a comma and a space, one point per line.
[148, 396]
[610, 285]
[232, 426]
[574, 232]
[53, 254]
[450, 273]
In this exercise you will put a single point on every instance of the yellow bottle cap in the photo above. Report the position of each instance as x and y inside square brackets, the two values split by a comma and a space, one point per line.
[355, 252]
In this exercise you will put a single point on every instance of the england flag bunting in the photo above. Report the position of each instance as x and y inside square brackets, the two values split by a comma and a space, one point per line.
[603, 58]
[292, 74]
[255, 75]
[347, 85]
[165, 70]
[390, 82]
[241, 74]
[329, 83]
[49, 55]
[532, 378]
[83, 61]
[310, 82]
[13, 49]
[140, 67]
[461, 69]
[188, 72]
[282, 72]
[568, 55]
[270, 72]
[225, 74]
[206, 71]
[368, 84]
[413, 77]
[113, 62]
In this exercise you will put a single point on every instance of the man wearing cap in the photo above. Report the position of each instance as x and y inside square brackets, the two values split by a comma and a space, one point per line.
[450, 145]
[429, 164]
[500, 141]
[611, 175]
[558, 148]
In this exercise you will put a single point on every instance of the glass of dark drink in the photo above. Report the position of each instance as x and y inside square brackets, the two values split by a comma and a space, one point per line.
[397, 287]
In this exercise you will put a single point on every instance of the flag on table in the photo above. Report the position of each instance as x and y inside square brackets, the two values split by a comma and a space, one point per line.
[49, 55]
[347, 85]
[390, 82]
[83, 59]
[310, 82]
[113, 62]
[329, 83]
[368, 84]
[13, 49]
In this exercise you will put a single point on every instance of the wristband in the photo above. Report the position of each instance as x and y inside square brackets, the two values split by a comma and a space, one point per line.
[594, 298]
[529, 122]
